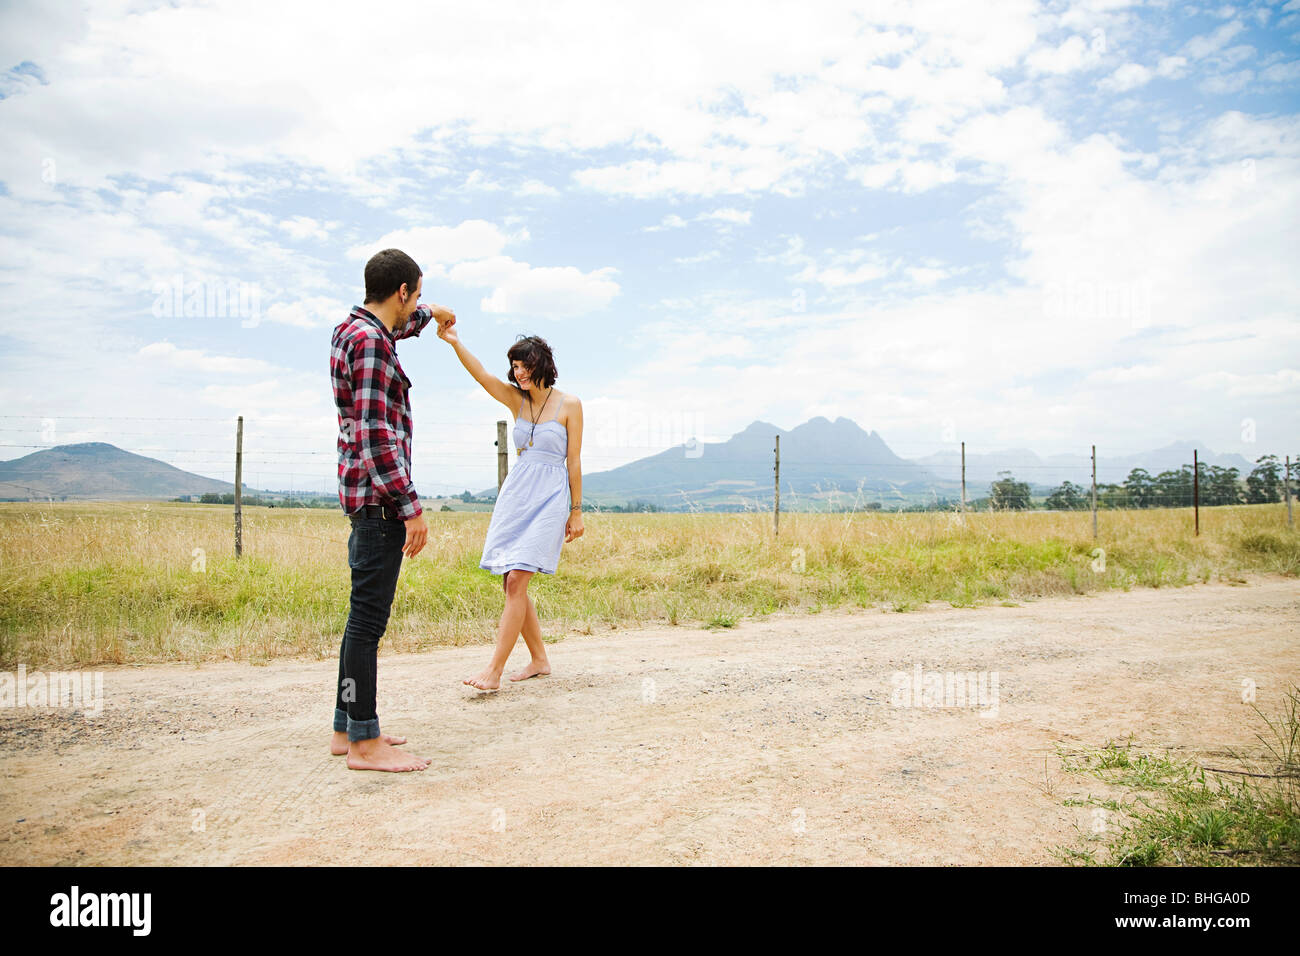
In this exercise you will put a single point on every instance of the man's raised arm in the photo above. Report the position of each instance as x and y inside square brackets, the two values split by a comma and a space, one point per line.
[421, 317]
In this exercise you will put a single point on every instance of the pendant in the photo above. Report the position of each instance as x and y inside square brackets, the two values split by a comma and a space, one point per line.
[530, 443]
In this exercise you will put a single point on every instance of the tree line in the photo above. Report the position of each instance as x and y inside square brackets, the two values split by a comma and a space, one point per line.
[1169, 489]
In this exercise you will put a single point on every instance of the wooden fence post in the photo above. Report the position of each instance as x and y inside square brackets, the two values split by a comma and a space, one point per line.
[1094, 492]
[503, 455]
[239, 481]
[776, 491]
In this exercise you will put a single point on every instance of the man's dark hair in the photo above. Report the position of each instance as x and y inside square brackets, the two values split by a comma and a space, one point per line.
[535, 355]
[385, 273]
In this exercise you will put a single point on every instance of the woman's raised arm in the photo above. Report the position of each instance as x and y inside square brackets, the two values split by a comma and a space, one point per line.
[502, 391]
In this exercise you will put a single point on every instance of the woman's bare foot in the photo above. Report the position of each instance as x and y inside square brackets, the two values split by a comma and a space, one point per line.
[534, 669]
[339, 742]
[489, 680]
[375, 754]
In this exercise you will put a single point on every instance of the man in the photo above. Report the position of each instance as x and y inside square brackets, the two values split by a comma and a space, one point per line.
[376, 492]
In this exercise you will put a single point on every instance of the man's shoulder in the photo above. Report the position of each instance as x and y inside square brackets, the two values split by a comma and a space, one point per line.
[356, 329]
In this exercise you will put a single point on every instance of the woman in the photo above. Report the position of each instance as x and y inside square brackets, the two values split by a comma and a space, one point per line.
[539, 506]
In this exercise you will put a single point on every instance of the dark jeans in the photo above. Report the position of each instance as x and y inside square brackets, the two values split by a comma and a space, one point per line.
[375, 556]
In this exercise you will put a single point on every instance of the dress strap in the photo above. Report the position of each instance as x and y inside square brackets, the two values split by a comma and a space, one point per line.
[523, 411]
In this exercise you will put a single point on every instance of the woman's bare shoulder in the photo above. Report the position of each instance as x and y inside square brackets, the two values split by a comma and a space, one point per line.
[568, 404]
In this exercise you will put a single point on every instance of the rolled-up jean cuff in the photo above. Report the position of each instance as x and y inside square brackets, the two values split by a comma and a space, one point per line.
[362, 729]
[340, 721]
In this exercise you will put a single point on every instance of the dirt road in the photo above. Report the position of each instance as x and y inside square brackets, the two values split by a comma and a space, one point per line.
[777, 741]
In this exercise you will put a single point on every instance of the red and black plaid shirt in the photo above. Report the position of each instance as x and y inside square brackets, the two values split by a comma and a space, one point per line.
[374, 417]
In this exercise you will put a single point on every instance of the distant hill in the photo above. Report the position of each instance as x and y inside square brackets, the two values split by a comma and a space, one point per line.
[98, 470]
[981, 469]
[825, 462]
[820, 459]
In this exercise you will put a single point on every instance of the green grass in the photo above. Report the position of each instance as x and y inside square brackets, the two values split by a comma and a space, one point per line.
[1178, 812]
[102, 583]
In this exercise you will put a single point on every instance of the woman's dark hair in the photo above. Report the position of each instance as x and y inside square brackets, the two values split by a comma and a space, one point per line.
[385, 273]
[535, 355]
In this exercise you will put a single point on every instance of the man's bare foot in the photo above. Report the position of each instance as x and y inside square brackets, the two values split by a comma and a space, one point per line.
[488, 680]
[534, 669]
[339, 742]
[375, 754]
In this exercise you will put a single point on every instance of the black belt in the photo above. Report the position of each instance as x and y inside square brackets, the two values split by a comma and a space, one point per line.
[378, 511]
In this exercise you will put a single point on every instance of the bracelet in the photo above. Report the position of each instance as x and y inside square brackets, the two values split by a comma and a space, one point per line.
[577, 507]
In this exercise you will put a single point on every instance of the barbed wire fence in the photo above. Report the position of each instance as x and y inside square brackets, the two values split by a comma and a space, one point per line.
[1194, 484]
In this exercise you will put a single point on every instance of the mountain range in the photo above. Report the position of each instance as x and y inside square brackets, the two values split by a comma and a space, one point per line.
[98, 470]
[823, 463]
[837, 462]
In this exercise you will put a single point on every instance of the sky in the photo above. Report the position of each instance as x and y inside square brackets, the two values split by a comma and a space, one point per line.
[1014, 224]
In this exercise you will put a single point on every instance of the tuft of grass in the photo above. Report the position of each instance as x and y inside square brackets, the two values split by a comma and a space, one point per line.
[1176, 815]
[1264, 542]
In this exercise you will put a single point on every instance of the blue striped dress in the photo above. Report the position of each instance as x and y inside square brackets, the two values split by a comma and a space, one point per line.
[532, 508]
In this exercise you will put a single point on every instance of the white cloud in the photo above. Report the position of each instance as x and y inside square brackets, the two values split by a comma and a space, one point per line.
[535, 187]
[724, 219]
[1074, 53]
[485, 272]
[670, 221]
[554, 291]
[836, 276]
[1128, 77]
[296, 403]
[1235, 54]
[1123, 375]
[303, 227]
[472, 239]
[198, 360]
[907, 176]
[478, 180]
[727, 170]
[1227, 82]
[311, 313]
[1171, 67]
[705, 256]
[1284, 381]
[1288, 72]
[716, 111]
[926, 275]
[734, 216]
[1199, 47]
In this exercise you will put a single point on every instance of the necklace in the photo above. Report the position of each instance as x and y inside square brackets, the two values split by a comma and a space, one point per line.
[520, 451]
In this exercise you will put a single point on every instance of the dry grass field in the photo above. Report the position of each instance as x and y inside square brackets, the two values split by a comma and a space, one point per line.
[90, 584]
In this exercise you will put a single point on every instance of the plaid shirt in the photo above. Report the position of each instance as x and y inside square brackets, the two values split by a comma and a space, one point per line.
[374, 418]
